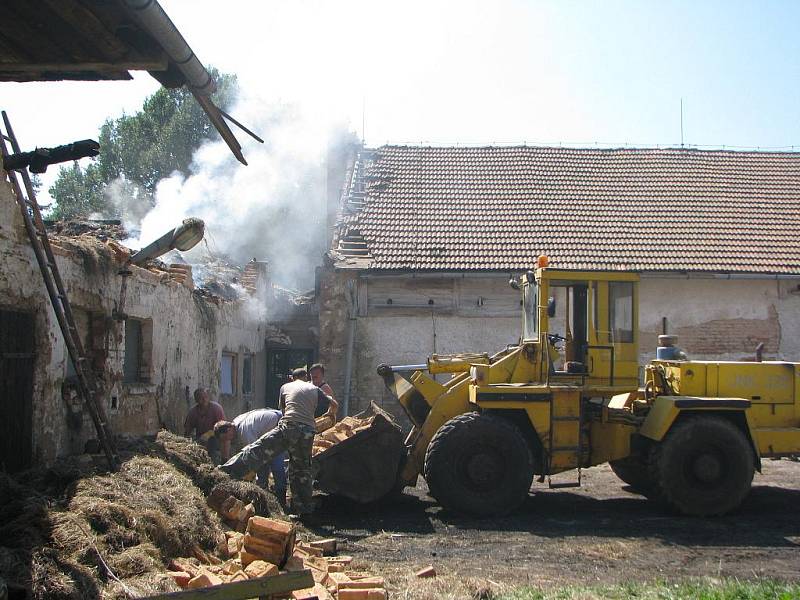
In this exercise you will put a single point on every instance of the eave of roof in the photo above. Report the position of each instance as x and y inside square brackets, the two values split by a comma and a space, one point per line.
[74, 40]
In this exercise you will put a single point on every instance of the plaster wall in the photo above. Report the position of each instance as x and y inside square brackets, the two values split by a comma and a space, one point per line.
[184, 336]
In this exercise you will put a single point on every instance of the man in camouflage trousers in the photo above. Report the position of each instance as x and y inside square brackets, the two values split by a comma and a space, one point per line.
[294, 433]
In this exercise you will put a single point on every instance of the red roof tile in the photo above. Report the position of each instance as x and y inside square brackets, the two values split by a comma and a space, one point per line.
[498, 208]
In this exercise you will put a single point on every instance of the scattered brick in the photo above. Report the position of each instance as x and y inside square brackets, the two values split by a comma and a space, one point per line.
[246, 558]
[360, 584]
[260, 568]
[428, 571]
[181, 578]
[204, 579]
[238, 576]
[365, 594]
[327, 546]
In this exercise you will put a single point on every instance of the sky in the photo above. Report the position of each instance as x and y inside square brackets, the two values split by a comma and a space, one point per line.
[582, 73]
[585, 73]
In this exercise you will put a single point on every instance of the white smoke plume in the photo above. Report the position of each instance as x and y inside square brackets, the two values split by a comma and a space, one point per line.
[126, 201]
[274, 209]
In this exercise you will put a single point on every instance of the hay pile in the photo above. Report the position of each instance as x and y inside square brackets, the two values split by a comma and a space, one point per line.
[74, 532]
[192, 460]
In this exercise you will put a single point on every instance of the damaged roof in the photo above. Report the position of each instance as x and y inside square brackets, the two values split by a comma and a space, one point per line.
[92, 40]
[498, 208]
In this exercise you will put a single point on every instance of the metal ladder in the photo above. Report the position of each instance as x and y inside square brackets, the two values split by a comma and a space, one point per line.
[88, 386]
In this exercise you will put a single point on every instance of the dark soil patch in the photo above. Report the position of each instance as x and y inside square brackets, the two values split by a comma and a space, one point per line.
[601, 532]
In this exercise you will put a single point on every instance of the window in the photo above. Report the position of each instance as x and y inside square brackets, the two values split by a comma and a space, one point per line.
[530, 311]
[138, 348]
[227, 384]
[620, 304]
[247, 374]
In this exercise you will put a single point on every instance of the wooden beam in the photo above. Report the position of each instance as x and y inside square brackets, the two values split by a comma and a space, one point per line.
[241, 590]
[100, 67]
[93, 31]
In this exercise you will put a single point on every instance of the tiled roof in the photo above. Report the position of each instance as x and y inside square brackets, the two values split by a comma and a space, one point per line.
[498, 208]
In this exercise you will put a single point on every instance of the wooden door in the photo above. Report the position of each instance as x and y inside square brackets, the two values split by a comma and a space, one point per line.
[16, 390]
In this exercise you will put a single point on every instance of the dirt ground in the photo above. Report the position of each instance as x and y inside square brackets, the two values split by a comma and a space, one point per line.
[600, 533]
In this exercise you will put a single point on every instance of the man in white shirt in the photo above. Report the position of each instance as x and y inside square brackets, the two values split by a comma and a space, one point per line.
[246, 429]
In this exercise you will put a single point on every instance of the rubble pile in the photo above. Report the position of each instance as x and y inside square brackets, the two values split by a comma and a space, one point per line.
[102, 229]
[268, 547]
[344, 429]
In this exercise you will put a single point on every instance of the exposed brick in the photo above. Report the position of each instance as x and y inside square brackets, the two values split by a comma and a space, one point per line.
[363, 594]
[204, 579]
[260, 568]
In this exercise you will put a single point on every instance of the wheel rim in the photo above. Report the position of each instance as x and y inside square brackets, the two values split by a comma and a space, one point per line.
[706, 468]
[481, 469]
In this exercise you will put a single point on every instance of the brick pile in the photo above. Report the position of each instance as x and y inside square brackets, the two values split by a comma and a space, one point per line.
[344, 429]
[266, 546]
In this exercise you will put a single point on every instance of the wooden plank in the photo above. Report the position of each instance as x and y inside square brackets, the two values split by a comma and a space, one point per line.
[241, 590]
[100, 67]
[92, 30]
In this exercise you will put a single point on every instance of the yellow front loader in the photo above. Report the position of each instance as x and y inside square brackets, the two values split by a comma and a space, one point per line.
[567, 396]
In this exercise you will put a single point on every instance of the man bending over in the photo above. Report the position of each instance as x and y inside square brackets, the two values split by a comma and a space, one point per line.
[246, 429]
[294, 433]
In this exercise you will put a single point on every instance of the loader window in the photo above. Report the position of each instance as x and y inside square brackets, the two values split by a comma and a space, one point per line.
[529, 296]
[620, 306]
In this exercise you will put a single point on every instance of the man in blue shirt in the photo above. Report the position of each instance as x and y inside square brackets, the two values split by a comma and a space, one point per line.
[246, 429]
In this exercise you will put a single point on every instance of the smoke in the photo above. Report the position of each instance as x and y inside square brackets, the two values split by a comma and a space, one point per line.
[126, 201]
[274, 209]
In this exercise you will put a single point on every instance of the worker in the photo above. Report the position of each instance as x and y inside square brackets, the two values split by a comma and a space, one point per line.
[317, 373]
[295, 434]
[199, 423]
[246, 429]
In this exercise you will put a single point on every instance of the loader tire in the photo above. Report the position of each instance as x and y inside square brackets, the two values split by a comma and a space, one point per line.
[703, 467]
[632, 470]
[479, 465]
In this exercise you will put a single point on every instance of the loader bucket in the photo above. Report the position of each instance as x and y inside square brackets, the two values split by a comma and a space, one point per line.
[364, 466]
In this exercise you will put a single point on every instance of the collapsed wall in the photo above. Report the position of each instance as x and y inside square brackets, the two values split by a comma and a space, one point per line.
[151, 339]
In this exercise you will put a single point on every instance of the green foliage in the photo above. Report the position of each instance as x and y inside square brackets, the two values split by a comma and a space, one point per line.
[699, 589]
[141, 149]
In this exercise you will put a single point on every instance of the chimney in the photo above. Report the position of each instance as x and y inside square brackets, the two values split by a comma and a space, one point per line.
[255, 278]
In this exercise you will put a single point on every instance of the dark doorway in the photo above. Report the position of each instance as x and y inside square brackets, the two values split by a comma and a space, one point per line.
[279, 362]
[16, 390]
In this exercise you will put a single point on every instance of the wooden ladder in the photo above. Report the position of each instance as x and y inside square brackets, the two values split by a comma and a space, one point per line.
[88, 387]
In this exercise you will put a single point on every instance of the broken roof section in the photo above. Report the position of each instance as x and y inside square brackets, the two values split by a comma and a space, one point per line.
[58, 40]
[497, 208]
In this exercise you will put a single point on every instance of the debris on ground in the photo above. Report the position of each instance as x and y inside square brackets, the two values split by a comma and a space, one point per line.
[265, 547]
[75, 530]
[428, 571]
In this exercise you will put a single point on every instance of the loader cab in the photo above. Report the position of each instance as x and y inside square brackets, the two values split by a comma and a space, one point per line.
[588, 321]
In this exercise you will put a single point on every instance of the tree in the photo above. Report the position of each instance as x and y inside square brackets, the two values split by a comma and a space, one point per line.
[140, 149]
